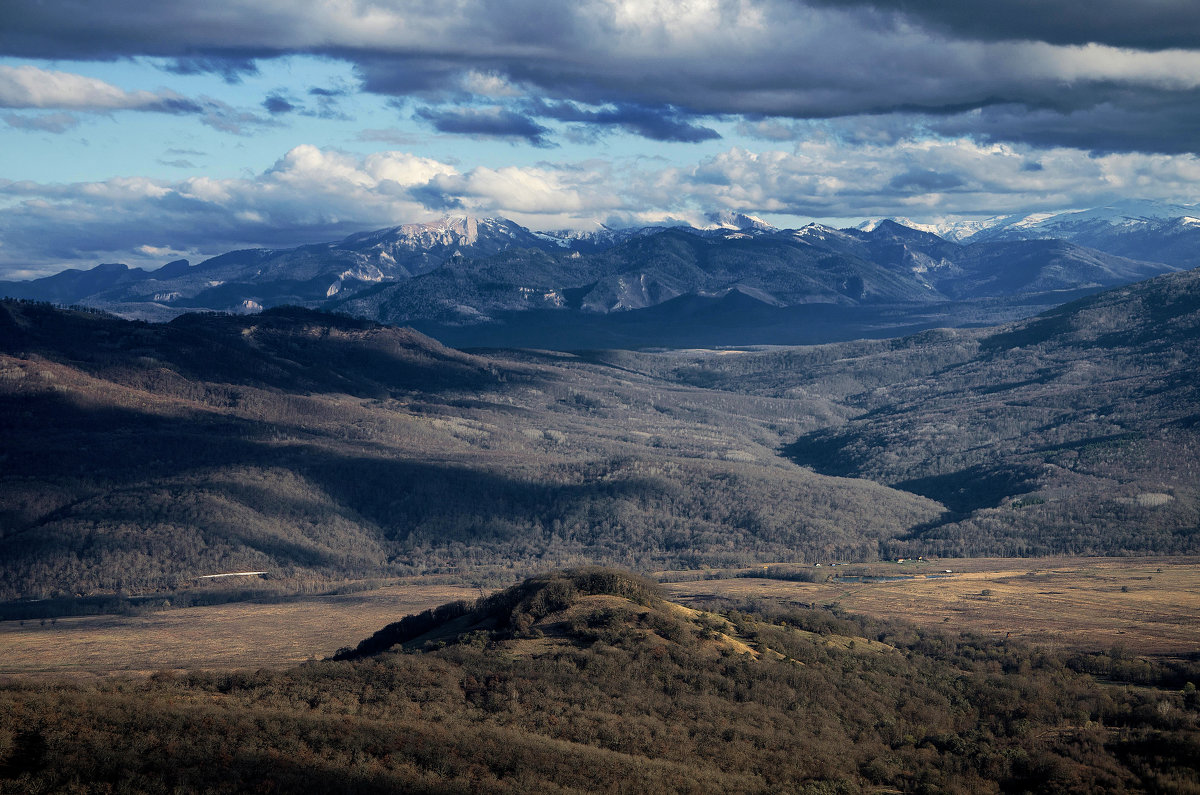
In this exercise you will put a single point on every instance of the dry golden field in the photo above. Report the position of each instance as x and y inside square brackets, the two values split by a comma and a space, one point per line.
[238, 635]
[1148, 606]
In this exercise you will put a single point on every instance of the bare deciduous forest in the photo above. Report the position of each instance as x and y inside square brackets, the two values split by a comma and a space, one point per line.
[323, 448]
[315, 446]
[589, 680]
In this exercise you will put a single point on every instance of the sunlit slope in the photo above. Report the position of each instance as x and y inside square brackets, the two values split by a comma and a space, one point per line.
[1075, 431]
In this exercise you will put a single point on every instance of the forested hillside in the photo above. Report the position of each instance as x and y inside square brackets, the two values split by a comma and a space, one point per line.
[316, 447]
[1073, 432]
[140, 456]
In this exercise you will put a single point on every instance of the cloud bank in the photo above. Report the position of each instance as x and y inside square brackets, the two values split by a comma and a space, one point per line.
[1056, 70]
[313, 195]
[618, 111]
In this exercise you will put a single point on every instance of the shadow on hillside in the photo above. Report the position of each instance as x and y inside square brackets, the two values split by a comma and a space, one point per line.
[131, 483]
[971, 489]
[962, 492]
[822, 452]
[290, 349]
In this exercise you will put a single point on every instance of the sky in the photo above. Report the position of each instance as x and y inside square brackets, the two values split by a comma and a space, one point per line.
[143, 132]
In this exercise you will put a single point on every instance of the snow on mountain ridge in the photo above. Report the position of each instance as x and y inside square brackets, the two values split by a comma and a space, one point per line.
[729, 219]
[1129, 214]
[818, 232]
[447, 231]
[1126, 214]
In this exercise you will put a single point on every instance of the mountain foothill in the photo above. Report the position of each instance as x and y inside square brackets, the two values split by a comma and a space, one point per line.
[322, 447]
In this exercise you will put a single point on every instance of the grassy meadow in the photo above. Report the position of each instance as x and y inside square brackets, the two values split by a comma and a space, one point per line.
[1144, 606]
[255, 635]
[1147, 606]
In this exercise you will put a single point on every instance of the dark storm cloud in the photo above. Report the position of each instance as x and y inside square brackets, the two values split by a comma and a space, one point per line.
[231, 68]
[492, 123]
[657, 124]
[434, 198]
[924, 181]
[215, 37]
[277, 103]
[1150, 24]
[402, 75]
[1143, 121]
[658, 68]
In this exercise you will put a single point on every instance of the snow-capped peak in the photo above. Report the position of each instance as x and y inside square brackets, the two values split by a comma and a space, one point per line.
[456, 230]
[1126, 214]
[815, 231]
[728, 219]
[943, 229]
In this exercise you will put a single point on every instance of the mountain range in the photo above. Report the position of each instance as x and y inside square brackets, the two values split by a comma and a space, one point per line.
[481, 281]
[1152, 230]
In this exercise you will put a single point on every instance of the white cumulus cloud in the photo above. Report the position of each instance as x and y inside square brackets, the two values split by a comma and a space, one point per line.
[30, 87]
[312, 194]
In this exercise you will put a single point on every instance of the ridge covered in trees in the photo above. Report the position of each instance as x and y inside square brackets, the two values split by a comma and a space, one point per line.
[607, 686]
[321, 448]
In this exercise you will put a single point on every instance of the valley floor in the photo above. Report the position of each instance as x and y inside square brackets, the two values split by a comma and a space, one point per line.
[237, 635]
[1145, 606]
[1142, 606]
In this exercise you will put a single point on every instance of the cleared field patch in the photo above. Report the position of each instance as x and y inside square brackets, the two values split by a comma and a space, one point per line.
[238, 635]
[1144, 605]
